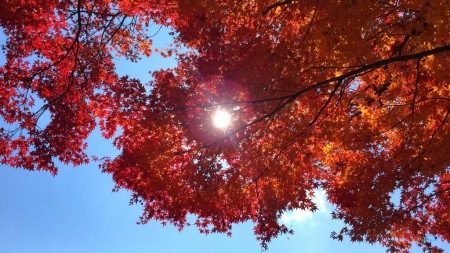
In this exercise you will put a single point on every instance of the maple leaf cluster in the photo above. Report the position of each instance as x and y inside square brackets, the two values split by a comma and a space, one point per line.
[351, 97]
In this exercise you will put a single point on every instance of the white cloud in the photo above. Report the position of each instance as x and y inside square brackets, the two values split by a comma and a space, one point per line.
[299, 215]
[296, 216]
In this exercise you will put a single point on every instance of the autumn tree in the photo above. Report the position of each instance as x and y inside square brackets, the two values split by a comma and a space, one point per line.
[350, 96]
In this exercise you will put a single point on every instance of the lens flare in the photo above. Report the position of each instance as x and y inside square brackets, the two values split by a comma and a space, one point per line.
[221, 119]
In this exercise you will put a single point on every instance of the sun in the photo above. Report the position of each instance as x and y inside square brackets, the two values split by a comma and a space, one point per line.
[221, 119]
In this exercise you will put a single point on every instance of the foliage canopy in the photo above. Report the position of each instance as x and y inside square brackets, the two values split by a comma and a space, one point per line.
[349, 96]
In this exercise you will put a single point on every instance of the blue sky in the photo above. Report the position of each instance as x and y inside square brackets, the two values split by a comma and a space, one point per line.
[76, 211]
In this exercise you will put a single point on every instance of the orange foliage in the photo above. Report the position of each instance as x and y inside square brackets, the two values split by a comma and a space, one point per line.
[350, 96]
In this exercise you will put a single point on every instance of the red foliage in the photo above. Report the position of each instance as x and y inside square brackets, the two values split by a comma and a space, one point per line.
[350, 96]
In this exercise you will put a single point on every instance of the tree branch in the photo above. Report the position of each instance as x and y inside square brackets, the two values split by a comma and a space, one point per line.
[275, 5]
[349, 74]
